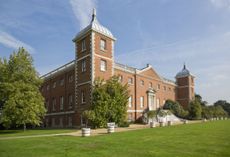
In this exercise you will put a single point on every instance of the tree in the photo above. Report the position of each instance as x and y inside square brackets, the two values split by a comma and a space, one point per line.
[110, 101]
[224, 104]
[200, 100]
[22, 102]
[195, 109]
[175, 108]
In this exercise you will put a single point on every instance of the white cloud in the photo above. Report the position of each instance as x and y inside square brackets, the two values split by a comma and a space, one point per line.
[11, 42]
[221, 3]
[83, 10]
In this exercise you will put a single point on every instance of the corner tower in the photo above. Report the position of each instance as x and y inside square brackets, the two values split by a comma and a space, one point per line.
[94, 51]
[185, 87]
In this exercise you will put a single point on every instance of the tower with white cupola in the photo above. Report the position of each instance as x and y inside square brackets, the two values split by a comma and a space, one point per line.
[94, 51]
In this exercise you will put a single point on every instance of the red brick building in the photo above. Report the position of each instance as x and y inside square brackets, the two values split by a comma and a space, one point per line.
[68, 89]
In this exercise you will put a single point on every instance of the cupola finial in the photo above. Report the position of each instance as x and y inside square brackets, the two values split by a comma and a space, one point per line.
[94, 14]
[184, 66]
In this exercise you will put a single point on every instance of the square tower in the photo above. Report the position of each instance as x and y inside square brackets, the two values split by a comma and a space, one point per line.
[185, 87]
[94, 51]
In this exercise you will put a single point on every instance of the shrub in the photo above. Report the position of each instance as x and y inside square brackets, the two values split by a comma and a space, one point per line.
[195, 109]
[175, 108]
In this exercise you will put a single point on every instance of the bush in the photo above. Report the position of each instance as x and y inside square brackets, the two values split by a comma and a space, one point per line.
[195, 110]
[124, 124]
[175, 108]
[109, 103]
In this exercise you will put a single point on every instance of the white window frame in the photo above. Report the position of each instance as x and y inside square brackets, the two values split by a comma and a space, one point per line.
[83, 45]
[120, 78]
[158, 103]
[70, 101]
[103, 65]
[83, 65]
[83, 98]
[130, 101]
[103, 44]
[130, 80]
[141, 102]
[54, 84]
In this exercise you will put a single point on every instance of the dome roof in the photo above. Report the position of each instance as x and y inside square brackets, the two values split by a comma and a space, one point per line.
[95, 26]
[183, 73]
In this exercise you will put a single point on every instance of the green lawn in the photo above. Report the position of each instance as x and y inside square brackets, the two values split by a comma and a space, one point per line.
[210, 139]
[11, 133]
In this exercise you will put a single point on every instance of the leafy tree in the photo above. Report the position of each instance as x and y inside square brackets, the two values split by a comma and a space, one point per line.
[224, 104]
[200, 100]
[109, 102]
[207, 112]
[175, 108]
[195, 109]
[21, 100]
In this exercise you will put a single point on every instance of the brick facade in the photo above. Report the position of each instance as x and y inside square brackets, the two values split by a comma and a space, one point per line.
[68, 89]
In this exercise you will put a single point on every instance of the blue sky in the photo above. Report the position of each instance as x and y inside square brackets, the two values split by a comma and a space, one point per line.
[164, 33]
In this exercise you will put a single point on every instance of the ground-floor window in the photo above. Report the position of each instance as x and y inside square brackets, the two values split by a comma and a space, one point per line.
[142, 102]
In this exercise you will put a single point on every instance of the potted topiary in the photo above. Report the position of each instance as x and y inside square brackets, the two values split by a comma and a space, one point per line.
[86, 115]
[151, 115]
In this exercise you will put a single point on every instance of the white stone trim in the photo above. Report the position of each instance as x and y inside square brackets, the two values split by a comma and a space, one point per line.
[76, 75]
[123, 69]
[59, 113]
[103, 57]
[83, 57]
[92, 56]
[80, 84]
[146, 68]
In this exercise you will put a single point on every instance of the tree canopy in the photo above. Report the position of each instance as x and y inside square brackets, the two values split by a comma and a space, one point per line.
[195, 109]
[109, 103]
[224, 104]
[20, 98]
[175, 108]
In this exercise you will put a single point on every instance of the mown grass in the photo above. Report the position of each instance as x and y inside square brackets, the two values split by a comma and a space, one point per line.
[11, 133]
[210, 139]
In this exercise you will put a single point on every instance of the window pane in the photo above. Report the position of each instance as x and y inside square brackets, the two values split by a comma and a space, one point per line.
[83, 65]
[130, 101]
[83, 47]
[103, 65]
[102, 44]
